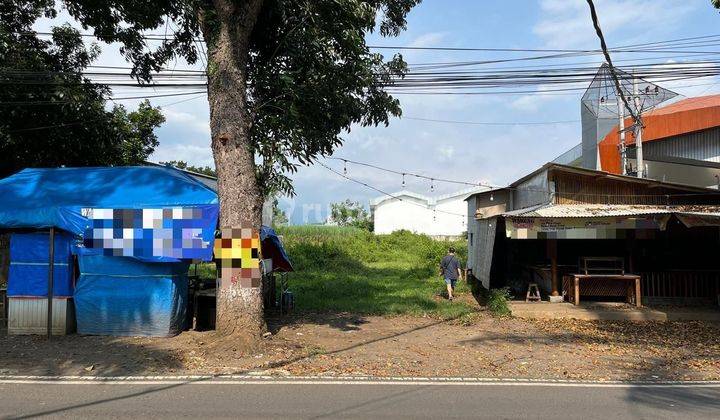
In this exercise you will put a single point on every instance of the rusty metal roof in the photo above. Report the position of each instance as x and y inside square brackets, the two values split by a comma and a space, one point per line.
[609, 210]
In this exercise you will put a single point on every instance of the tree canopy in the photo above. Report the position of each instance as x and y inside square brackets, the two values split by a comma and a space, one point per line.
[181, 164]
[50, 114]
[310, 75]
[350, 213]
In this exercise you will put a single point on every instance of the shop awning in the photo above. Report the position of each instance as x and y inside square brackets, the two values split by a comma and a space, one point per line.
[598, 221]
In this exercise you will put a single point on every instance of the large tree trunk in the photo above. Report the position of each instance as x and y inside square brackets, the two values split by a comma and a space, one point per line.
[227, 30]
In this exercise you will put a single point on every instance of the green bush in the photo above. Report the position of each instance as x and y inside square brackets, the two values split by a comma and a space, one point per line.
[497, 302]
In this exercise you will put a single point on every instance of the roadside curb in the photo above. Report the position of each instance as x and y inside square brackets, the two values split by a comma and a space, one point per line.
[337, 380]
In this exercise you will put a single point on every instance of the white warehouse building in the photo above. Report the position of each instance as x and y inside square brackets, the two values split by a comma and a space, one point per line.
[442, 216]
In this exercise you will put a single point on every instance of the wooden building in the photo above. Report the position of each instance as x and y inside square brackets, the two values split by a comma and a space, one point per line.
[543, 226]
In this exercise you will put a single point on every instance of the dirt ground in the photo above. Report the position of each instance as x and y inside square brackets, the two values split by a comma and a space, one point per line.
[347, 344]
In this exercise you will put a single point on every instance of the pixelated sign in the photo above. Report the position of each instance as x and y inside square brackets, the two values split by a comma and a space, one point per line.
[582, 227]
[237, 253]
[177, 232]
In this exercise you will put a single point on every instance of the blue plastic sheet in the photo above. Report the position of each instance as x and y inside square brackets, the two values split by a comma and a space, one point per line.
[126, 297]
[273, 249]
[28, 272]
[42, 198]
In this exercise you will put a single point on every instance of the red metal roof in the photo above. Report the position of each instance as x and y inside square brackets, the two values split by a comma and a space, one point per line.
[686, 116]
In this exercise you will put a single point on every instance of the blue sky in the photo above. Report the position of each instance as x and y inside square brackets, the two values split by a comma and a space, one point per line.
[494, 154]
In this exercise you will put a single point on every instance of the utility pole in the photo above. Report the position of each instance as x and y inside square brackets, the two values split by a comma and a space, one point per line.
[638, 132]
[623, 149]
[634, 113]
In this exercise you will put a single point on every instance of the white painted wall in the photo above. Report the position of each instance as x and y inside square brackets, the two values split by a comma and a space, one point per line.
[415, 213]
[392, 215]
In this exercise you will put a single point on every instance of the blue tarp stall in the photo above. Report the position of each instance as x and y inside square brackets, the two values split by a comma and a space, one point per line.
[125, 296]
[29, 258]
[119, 295]
[273, 249]
[59, 197]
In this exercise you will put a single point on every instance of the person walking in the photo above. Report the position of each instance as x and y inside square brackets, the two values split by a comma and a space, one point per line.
[450, 270]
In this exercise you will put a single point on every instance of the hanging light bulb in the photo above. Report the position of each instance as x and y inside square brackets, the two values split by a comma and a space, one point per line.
[432, 185]
[492, 197]
[344, 167]
[403, 183]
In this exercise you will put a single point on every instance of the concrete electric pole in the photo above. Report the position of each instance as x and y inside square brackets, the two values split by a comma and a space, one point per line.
[634, 113]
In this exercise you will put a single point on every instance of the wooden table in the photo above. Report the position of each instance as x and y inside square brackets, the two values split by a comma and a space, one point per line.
[632, 288]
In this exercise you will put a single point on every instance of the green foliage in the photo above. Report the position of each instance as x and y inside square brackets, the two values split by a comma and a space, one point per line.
[181, 164]
[353, 270]
[309, 73]
[50, 114]
[497, 302]
[350, 213]
[279, 216]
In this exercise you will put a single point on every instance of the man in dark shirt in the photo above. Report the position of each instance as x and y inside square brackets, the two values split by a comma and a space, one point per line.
[450, 270]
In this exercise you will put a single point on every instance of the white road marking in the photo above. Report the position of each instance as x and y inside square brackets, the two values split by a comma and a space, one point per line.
[321, 380]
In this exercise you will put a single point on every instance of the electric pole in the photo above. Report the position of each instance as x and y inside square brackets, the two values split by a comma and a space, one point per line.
[623, 149]
[638, 133]
[634, 111]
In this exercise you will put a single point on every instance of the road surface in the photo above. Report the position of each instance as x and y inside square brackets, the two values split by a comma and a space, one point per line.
[316, 400]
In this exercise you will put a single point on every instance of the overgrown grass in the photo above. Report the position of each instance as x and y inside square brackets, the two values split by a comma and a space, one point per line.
[497, 302]
[353, 270]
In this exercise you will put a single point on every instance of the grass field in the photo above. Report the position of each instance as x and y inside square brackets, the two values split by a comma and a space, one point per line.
[352, 270]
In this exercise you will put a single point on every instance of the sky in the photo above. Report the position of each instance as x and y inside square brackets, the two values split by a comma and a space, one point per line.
[470, 152]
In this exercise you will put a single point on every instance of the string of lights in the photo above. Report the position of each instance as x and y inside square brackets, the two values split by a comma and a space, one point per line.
[344, 175]
[432, 180]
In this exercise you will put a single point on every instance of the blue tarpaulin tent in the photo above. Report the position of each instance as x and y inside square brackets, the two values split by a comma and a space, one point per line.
[58, 197]
[116, 295]
[125, 296]
[273, 249]
[28, 271]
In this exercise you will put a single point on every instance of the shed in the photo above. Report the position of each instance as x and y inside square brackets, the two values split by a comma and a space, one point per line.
[546, 221]
[134, 230]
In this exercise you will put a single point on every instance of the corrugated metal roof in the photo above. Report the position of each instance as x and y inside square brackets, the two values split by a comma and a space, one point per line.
[602, 210]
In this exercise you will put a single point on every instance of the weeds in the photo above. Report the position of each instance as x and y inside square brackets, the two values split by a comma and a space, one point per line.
[353, 270]
[497, 302]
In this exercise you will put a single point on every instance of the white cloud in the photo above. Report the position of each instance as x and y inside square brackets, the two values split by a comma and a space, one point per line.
[567, 23]
[192, 154]
[193, 121]
[430, 39]
[446, 152]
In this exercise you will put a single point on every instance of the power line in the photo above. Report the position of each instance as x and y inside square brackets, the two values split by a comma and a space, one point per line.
[109, 99]
[487, 185]
[91, 120]
[386, 193]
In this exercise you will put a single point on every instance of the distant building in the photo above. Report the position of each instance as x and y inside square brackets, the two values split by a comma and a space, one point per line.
[442, 216]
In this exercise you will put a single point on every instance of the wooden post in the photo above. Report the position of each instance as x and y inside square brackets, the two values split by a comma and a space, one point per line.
[638, 297]
[552, 253]
[51, 269]
[577, 290]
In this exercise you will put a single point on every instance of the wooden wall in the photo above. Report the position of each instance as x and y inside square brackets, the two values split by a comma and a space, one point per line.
[571, 188]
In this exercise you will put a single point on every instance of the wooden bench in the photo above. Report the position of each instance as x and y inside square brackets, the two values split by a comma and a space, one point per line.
[606, 286]
[609, 278]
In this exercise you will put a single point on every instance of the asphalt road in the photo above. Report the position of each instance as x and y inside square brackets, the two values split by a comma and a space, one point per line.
[312, 400]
